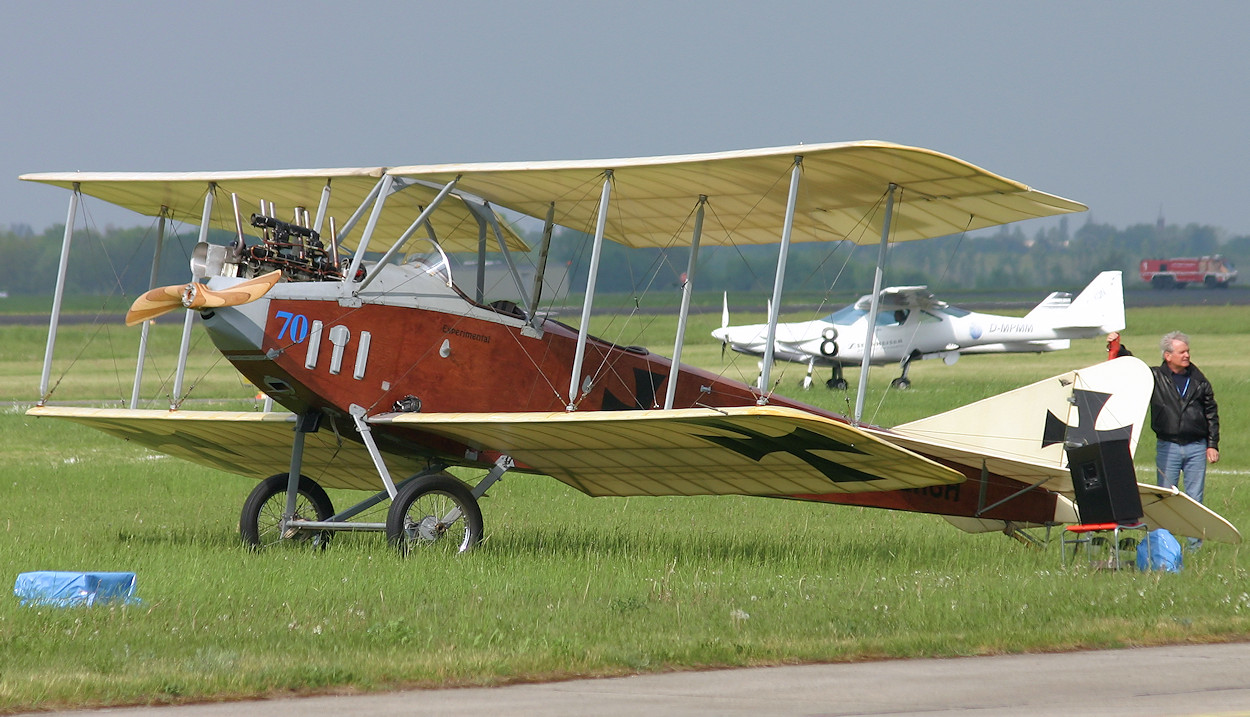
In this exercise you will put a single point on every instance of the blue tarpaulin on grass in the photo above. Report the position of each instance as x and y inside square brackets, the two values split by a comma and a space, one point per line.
[67, 589]
[1160, 551]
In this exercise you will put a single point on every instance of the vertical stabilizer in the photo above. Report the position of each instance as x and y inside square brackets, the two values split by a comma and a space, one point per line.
[1030, 424]
[1099, 306]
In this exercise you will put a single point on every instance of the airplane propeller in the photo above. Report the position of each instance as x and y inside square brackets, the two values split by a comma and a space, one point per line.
[195, 295]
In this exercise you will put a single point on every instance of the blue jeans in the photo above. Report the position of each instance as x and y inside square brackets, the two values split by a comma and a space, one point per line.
[1173, 459]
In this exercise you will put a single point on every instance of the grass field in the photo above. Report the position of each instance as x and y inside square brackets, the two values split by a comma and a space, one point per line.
[564, 585]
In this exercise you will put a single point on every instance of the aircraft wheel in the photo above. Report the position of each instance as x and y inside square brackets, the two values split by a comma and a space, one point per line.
[260, 525]
[836, 384]
[435, 512]
[901, 384]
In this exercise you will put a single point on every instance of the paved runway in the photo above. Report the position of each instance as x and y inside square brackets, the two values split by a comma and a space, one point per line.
[1189, 680]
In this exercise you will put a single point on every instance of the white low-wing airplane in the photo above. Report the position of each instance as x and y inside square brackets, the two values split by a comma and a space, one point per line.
[390, 372]
[912, 324]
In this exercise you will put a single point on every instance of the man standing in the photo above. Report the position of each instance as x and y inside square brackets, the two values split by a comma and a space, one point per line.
[1184, 417]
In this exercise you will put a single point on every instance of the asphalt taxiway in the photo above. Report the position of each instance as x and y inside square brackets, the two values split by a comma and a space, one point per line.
[1187, 680]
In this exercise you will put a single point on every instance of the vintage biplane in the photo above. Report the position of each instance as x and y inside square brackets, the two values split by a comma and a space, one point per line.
[393, 371]
[912, 324]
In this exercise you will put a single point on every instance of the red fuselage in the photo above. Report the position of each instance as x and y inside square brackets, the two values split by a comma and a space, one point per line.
[317, 354]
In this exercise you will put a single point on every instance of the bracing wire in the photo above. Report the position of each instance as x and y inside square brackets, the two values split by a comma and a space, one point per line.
[941, 278]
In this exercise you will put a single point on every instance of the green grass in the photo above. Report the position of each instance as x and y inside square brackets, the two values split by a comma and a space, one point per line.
[564, 585]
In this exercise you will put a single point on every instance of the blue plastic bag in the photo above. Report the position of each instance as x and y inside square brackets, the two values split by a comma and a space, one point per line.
[68, 589]
[1159, 551]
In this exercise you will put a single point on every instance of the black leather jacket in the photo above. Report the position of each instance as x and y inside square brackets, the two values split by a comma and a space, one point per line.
[1188, 419]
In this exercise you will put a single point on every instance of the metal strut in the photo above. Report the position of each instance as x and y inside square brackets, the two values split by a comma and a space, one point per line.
[305, 423]
[366, 435]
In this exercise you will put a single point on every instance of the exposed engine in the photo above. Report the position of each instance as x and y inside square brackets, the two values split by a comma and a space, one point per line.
[295, 250]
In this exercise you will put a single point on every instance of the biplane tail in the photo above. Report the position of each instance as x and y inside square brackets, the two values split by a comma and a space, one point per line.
[1031, 424]
[1027, 435]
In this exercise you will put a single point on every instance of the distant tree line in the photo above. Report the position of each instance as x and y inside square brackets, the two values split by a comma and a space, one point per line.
[1051, 258]
[119, 260]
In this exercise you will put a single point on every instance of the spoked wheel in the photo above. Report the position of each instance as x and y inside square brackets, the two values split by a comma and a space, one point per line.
[434, 512]
[261, 521]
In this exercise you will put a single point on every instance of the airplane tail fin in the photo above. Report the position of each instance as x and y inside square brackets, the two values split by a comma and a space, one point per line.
[1099, 306]
[1030, 424]
[1027, 434]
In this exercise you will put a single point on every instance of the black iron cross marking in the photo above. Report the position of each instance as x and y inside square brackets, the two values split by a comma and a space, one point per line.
[799, 443]
[645, 385]
[1088, 405]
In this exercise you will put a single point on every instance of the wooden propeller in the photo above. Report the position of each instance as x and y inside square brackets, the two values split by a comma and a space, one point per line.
[195, 295]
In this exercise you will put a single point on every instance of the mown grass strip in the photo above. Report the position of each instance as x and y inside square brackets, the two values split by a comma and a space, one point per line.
[564, 585]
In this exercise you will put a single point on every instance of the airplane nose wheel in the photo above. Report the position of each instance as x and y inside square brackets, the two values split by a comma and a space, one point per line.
[435, 512]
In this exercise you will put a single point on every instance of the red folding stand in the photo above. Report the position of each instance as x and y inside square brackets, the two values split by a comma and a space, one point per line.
[1085, 535]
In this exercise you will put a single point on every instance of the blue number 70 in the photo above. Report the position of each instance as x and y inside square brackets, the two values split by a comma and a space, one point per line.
[295, 326]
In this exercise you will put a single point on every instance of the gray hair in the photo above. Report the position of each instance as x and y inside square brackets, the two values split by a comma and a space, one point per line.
[1165, 344]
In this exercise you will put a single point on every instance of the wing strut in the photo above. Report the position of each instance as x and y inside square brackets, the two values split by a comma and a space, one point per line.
[403, 239]
[350, 224]
[147, 325]
[871, 330]
[383, 191]
[60, 291]
[579, 356]
[548, 225]
[485, 216]
[188, 320]
[480, 292]
[774, 310]
[686, 288]
[321, 207]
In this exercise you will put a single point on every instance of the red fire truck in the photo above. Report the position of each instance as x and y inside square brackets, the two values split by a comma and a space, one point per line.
[1213, 272]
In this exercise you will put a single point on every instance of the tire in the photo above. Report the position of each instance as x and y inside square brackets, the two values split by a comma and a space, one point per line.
[901, 384]
[414, 521]
[836, 384]
[1162, 281]
[260, 522]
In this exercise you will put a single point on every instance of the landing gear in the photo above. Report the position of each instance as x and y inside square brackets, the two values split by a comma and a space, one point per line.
[262, 522]
[903, 383]
[807, 380]
[434, 512]
[836, 383]
[431, 510]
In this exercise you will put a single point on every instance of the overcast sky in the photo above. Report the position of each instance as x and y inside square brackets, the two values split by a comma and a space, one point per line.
[1134, 108]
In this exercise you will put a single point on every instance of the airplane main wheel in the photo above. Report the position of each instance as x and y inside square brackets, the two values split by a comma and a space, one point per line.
[434, 512]
[901, 384]
[837, 384]
[261, 521]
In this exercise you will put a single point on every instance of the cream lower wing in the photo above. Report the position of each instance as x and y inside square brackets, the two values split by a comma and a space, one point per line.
[755, 450]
